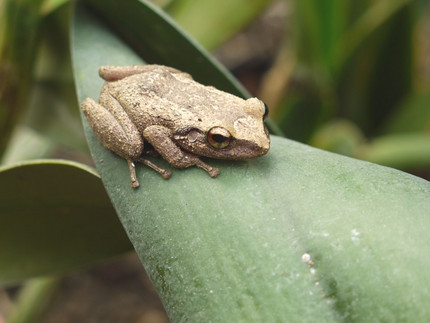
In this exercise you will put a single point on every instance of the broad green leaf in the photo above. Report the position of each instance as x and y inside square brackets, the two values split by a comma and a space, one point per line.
[231, 249]
[212, 22]
[54, 216]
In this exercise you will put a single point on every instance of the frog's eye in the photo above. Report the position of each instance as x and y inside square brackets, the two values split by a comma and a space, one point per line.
[219, 137]
[266, 110]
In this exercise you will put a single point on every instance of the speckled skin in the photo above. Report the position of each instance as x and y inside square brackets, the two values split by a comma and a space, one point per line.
[172, 112]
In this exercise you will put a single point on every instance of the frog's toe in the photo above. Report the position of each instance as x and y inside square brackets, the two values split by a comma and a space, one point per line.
[135, 184]
[213, 172]
[166, 173]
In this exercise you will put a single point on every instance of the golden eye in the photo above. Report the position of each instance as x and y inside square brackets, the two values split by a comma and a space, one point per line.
[219, 137]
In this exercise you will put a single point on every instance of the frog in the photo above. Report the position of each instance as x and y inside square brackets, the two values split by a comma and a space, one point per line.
[144, 109]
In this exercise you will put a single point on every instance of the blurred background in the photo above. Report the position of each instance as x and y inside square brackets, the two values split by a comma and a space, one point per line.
[348, 77]
[351, 77]
[345, 76]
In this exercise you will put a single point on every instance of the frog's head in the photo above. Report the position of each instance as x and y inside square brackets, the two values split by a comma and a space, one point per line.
[239, 135]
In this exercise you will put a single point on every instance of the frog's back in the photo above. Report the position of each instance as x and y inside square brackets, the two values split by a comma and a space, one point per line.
[160, 97]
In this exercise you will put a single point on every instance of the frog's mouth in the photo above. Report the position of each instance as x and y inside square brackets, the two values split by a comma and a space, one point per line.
[238, 149]
[242, 149]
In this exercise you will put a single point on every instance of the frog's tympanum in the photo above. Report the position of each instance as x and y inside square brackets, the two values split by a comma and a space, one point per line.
[159, 107]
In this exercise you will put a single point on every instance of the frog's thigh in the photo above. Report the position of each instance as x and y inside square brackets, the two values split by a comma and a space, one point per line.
[117, 133]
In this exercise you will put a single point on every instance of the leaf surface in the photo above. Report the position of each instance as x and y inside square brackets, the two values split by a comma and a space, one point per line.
[54, 216]
[231, 249]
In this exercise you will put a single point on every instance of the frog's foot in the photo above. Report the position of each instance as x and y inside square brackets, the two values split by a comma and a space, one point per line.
[212, 171]
[132, 168]
[163, 172]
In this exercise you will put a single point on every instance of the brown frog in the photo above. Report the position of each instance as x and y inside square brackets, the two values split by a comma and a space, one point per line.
[179, 117]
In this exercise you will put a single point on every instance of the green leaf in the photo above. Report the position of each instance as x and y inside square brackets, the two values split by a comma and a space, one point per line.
[212, 22]
[55, 215]
[231, 249]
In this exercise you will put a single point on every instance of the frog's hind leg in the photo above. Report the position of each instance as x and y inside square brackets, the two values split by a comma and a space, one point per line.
[115, 130]
[132, 168]
[115, 73]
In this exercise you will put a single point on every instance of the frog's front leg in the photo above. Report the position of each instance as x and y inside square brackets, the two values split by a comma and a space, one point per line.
[160, 138]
